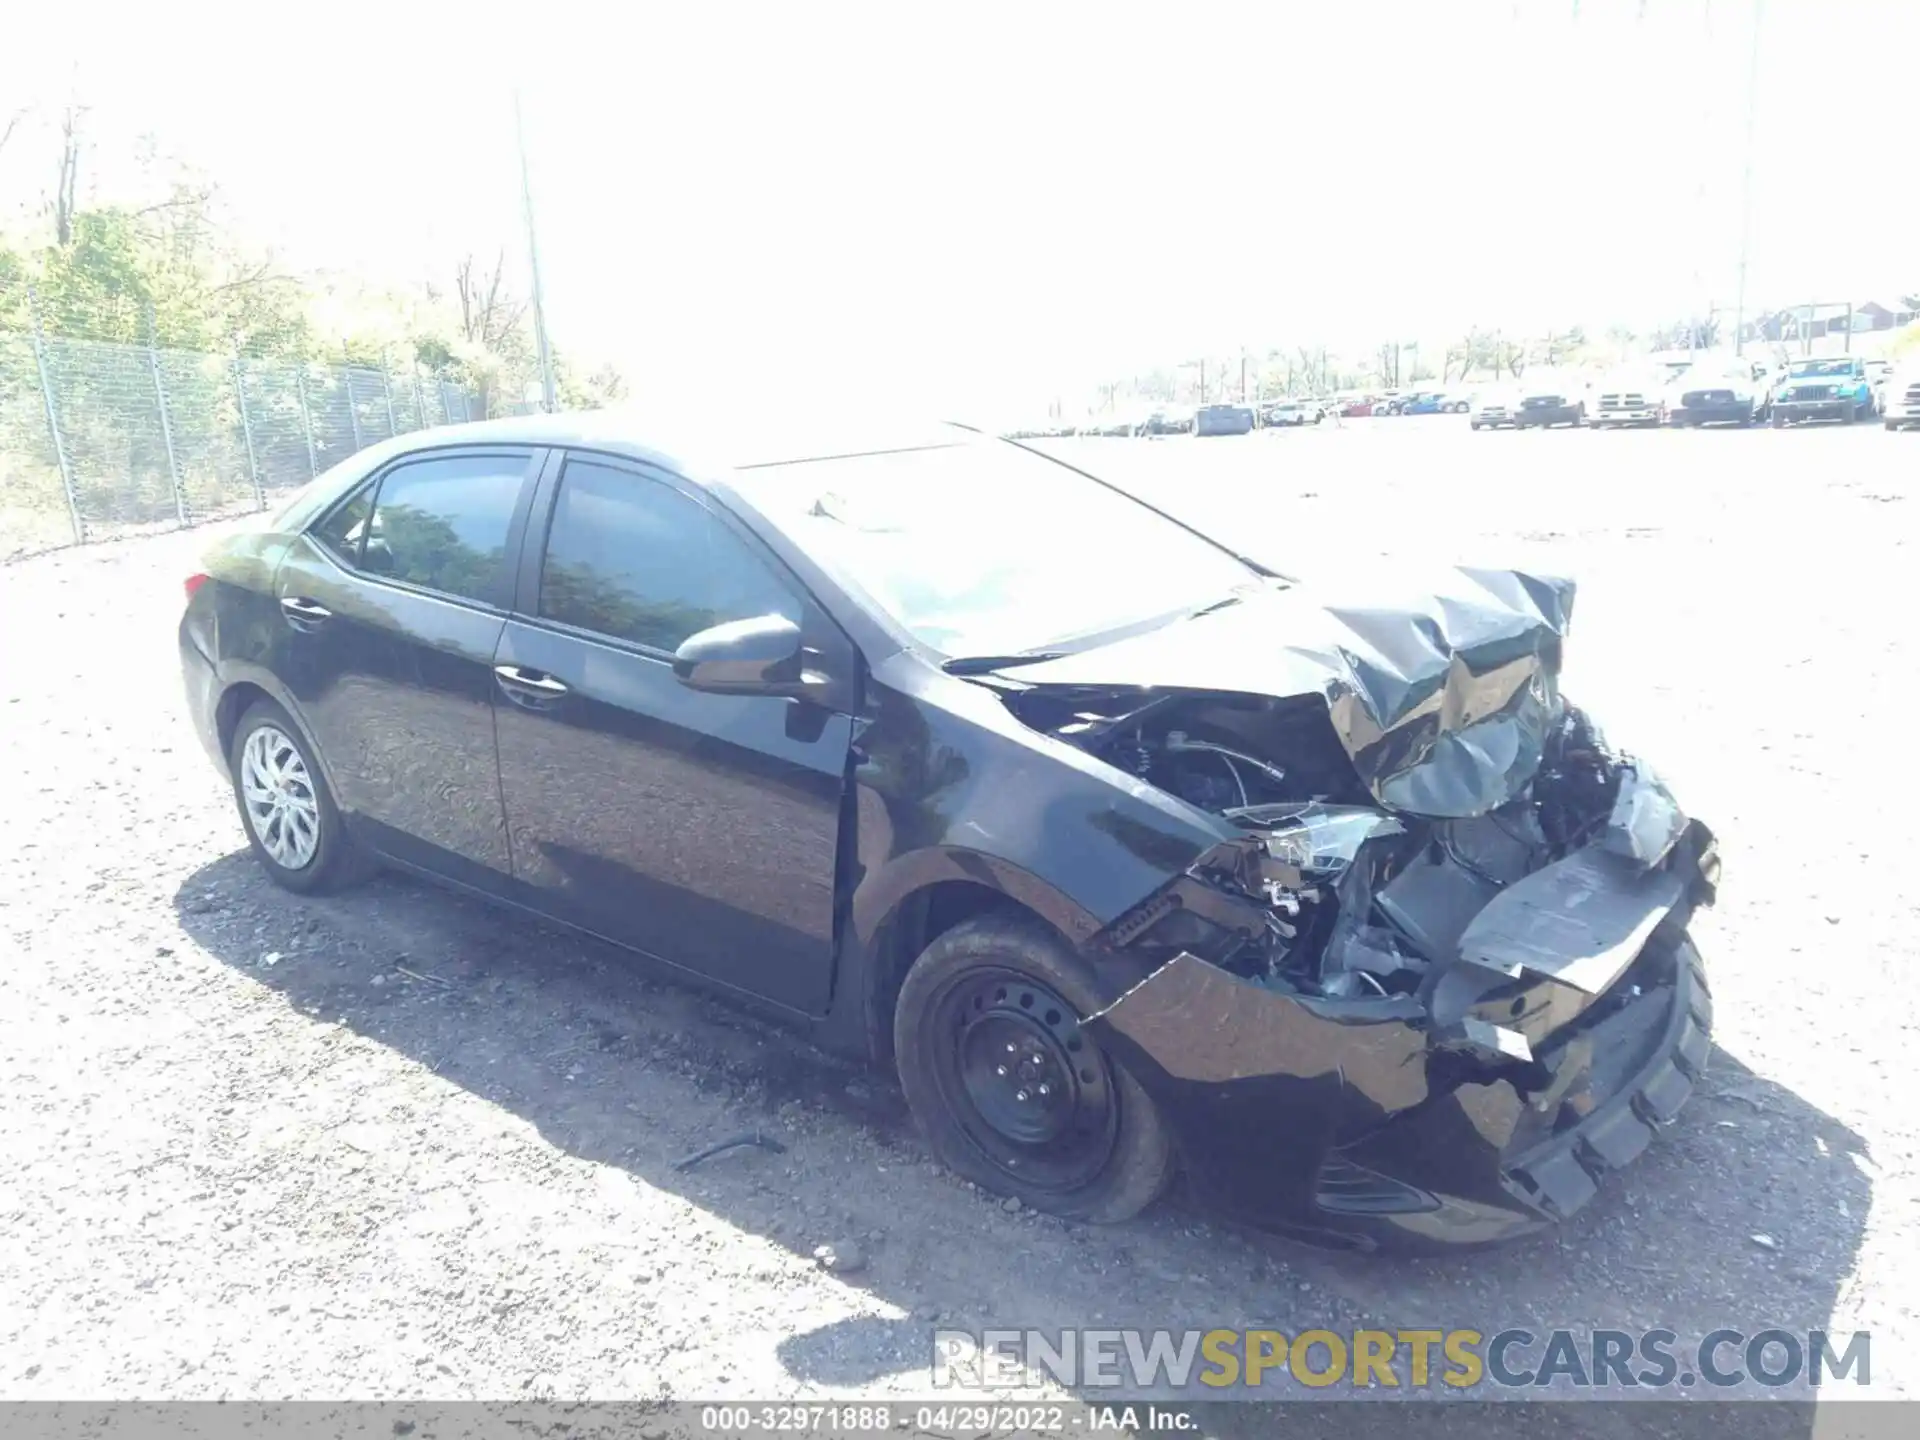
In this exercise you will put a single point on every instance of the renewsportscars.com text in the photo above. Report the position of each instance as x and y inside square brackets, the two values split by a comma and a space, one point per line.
[1417, 1359]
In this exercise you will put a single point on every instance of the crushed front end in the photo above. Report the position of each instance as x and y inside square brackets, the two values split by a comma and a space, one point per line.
[1436, 983]
[1382, 1030]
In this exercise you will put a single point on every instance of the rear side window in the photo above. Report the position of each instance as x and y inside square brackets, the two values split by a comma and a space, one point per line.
[442, 523]
[635, 559]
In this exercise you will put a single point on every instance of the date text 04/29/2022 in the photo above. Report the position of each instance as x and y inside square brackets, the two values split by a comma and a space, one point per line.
[963, 1418]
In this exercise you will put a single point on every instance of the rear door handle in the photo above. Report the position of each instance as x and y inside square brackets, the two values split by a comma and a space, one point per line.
[529, 687]
[304, 614]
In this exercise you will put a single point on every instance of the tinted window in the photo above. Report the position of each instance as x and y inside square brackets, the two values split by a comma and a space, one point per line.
[443, 523]
[343, 530]
[635, 559]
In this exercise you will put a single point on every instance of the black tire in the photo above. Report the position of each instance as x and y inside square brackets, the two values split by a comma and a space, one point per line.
[336, 860]
[1473, 424]
[1098, 1150]
[1778, 422]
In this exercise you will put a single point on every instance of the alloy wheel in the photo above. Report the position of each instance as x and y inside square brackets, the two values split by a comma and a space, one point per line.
[282, 808]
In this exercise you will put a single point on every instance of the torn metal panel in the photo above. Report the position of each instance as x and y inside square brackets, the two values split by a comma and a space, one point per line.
[1444, 703]
[1212, 1029]
[1579, 921]
[1345, 1120]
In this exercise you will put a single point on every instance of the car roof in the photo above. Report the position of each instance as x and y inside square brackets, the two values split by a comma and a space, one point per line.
[694, 450]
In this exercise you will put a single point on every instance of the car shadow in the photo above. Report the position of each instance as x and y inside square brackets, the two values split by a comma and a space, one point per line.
[1747, 1216]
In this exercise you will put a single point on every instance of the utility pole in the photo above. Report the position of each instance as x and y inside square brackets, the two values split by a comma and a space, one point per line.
[549, 399]
[1746, 185]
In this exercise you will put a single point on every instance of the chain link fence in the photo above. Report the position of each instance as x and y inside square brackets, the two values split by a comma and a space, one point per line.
[101, 440]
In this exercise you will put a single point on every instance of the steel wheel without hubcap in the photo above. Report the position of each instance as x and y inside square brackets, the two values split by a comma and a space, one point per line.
[1033, 1095]
[277, 790]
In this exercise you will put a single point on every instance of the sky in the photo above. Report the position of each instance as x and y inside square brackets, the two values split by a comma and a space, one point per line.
[994, 200]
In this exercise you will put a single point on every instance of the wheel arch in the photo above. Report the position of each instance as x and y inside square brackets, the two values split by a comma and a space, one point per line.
[906, 907]
[240, 690]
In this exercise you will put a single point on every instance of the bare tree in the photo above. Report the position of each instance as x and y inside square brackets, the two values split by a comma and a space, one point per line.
[488, 313]
[13, 124]
[1386, 363]
[67, 184]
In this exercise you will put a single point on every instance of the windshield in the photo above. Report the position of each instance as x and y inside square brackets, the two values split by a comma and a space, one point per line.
[982, 548]
[1821, 367]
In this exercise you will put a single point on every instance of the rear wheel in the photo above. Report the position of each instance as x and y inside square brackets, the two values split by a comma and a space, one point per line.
[1012, 1093]
[292, 824]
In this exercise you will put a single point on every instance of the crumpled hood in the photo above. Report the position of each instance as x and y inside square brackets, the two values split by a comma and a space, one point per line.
[1443, 698]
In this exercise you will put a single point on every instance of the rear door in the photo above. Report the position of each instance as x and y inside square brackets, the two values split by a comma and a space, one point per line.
[702, 829]
[391, 607]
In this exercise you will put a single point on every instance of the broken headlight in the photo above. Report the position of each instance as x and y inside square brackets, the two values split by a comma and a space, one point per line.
[1315, 839]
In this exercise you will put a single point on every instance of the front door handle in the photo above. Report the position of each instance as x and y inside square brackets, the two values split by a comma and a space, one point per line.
[304, 614]
[528, 686]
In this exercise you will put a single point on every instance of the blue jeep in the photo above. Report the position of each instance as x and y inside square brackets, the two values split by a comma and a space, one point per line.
[1834, 388]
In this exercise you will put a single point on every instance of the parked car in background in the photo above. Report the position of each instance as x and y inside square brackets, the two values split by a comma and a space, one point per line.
[1223, 420]
[1354, 403]
[1901, 410]
[1834, 387]
[1391, 403]
[1168, 420]
[1626, 398]
[1549, 397]
[1491, 409]
[1879, 376]
[1290, 413]
[1424, 402]
[1672, 364]
[1713, 394]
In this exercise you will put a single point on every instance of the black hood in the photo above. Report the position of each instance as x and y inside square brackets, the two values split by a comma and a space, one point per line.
[1443, 698]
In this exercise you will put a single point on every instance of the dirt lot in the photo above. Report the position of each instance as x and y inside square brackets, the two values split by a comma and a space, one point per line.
[396, 1144]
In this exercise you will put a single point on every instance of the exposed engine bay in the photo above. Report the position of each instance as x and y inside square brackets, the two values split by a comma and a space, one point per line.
[1358, 900]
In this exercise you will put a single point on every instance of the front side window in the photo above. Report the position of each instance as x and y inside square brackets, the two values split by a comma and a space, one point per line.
[636, 560]
[345, 529]
[442, 523]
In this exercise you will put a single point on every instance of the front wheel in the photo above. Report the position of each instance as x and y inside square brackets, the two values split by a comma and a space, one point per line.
[1012, 1093]
[292, 824]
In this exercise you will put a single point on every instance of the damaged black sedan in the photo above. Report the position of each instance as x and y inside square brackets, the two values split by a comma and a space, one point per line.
[1131, 854]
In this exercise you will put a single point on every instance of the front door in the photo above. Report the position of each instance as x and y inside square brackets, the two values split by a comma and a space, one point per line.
[390, 610]
[702, 829]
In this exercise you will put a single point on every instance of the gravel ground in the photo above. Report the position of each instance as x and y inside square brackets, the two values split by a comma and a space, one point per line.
[396, 1144]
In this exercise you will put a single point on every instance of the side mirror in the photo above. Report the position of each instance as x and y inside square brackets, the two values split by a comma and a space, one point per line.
[757, 656]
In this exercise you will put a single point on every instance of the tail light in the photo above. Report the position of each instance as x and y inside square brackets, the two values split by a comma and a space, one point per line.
[193, 584]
